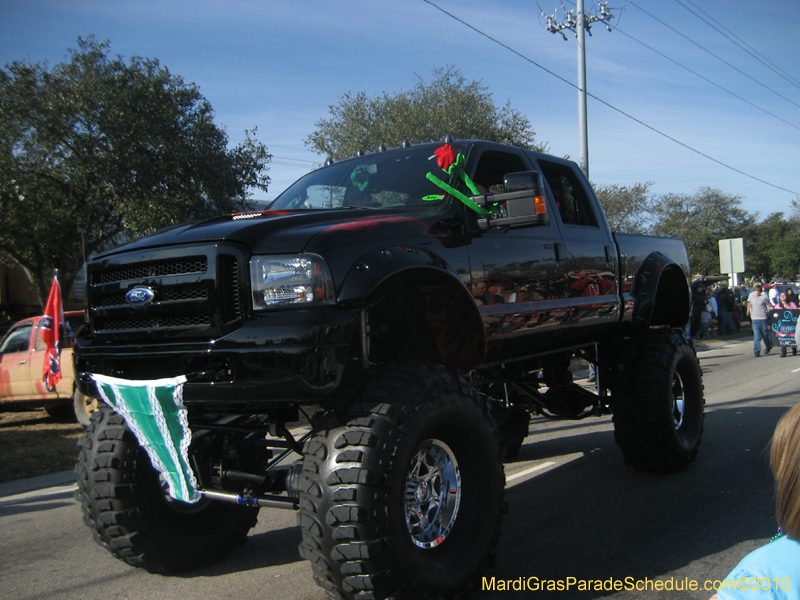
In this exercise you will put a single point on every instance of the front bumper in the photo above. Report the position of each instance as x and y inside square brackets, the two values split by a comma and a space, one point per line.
[283, 357]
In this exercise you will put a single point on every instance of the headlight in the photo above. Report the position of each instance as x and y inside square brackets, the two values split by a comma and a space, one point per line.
[299, 280]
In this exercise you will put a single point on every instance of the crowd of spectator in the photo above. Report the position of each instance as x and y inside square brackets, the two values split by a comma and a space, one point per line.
[718, 310]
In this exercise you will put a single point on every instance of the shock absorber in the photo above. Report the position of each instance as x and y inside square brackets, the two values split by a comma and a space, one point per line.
[251, 499]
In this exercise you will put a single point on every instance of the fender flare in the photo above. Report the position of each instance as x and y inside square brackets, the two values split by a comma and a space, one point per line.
[375, 267]
[673, 311]
[452, 311]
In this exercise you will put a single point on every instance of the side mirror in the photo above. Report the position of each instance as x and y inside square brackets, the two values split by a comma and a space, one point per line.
[522, 202]
[524, 181]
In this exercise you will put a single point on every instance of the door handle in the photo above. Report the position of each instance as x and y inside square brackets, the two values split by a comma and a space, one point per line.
[609, 256]
[22, 362]
[558, 247]
[560, 254]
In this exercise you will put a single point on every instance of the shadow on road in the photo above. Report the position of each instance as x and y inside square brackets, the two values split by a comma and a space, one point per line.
[596, 518]
[268, 549]
[36, 503]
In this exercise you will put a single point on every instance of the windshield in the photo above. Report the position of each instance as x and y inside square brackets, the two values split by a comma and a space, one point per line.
[378, 180]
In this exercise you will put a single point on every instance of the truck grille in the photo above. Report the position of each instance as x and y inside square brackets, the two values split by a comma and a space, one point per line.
[196, 293]
[154, 322]
[168, 267]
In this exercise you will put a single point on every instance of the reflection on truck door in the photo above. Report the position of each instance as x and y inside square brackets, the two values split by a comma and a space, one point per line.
[517, 273]
[591, 257]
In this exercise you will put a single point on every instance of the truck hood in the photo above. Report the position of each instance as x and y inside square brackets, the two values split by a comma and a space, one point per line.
[273, 231]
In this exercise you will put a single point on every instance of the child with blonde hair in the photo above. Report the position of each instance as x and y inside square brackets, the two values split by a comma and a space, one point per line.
[779, 561]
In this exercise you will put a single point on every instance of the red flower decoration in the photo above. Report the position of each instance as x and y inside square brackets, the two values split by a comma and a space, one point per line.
[445, 156]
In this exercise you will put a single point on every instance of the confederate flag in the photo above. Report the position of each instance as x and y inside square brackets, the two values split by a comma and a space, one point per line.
[49, 332]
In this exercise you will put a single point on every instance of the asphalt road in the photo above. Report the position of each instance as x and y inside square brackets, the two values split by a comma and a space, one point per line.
[576, 513]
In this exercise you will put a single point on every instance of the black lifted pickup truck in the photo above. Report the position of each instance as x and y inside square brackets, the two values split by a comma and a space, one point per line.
[394, 320]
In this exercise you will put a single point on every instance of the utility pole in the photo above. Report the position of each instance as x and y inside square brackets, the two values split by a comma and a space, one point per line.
[580, 24]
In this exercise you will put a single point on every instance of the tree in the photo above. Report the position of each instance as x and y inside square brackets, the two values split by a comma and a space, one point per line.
[773, 248]
[701, 220]
[448, 105]
[95, 149]
[627, 209]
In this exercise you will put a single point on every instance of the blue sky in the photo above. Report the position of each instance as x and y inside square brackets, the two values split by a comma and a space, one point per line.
[278, 65]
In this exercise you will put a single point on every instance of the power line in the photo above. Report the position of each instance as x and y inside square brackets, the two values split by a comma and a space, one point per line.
[732, 38]
[309, 163]
[289, 162]
[740, 42]
[722, 60]
[612, 107]
[706, 79]
[301, 161]
[289, 148]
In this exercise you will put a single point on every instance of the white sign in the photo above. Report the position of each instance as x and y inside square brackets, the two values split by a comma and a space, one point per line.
[731, 256]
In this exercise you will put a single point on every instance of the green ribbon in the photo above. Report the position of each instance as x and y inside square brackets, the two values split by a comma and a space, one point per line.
[459, 170]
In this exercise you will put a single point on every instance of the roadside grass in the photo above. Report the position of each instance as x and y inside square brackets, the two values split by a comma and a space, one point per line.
[32, 443]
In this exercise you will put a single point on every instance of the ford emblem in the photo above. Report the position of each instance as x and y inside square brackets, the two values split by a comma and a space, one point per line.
[140, 296]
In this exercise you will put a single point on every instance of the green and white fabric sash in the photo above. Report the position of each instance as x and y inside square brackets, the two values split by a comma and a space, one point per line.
[155, 413]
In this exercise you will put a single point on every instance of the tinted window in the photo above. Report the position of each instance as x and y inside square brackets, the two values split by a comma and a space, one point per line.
[377, 180]
[17, 340]
[493, 167]
[569, 194]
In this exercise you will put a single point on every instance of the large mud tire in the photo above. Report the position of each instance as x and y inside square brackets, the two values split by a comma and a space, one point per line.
[365, 482]
[513, 425]
[129, 514]
[658, 402]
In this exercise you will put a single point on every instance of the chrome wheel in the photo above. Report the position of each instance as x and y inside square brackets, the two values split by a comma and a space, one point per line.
[677, 400]
[658, 403]
[433, 494]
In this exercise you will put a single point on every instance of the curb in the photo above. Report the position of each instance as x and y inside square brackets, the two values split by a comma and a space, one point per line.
[21, 486]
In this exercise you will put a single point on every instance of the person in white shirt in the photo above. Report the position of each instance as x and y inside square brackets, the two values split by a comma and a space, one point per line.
[758, 306]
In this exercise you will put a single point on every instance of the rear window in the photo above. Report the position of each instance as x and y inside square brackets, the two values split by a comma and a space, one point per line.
[569, 194]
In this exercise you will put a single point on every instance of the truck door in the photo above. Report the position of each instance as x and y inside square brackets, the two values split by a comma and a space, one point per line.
[517, 272]
[591, 257]
[15, 358]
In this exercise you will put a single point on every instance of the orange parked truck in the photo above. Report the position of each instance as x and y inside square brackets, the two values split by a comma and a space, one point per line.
[22, 353]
